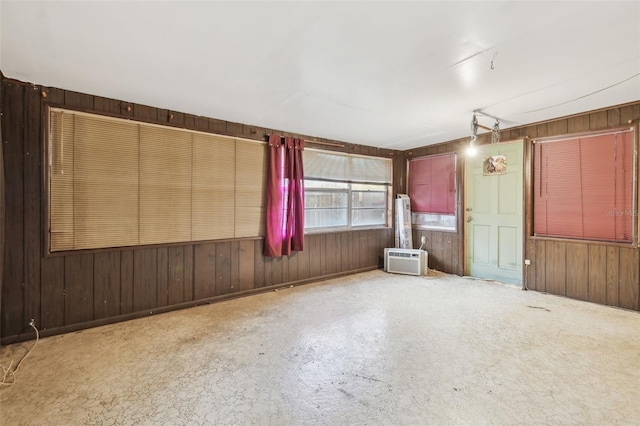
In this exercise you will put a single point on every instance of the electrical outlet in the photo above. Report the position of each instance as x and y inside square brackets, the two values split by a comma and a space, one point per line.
[32, 323]
[527, 262]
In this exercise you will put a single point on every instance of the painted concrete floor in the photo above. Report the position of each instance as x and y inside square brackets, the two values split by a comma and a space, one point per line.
[367, 349]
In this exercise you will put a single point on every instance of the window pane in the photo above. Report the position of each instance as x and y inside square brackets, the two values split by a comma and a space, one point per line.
[324, 218]
[434, 221]
[324, 199]
[368, 199]
[325, 208]
[331, 204]
[368, 217]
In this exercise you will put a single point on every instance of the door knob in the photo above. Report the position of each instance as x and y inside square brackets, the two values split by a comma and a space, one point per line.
[469, 219]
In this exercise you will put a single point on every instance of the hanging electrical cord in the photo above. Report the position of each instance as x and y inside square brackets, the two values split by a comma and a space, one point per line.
[580, 97]
[9, 375]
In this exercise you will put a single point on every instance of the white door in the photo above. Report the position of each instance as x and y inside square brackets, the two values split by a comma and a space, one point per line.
[493, 212]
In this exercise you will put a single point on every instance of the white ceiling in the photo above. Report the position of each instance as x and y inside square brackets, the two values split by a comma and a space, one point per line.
[388, 74]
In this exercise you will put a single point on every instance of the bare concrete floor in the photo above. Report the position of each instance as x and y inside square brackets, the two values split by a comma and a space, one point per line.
[371, 348]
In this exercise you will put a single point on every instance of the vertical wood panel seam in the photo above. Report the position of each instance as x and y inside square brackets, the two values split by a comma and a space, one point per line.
[606, 277]
[24, 205]
[93, 286]
[191, 185]
[565, 268]
[588, 295]
[64, 290]
[618, 257]
[120, 253]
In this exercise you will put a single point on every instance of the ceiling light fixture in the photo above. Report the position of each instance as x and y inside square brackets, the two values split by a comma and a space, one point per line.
[472, 150]
[495, 134]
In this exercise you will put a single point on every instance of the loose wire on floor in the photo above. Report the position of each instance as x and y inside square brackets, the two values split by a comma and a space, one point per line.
[9, 375]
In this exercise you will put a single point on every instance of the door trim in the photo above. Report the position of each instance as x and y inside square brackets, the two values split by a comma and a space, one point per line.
[527, 205]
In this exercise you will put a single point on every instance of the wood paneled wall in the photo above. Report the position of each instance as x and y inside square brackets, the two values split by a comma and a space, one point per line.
[597, 272]
[2, 205]
[443, 248]
[70, 292]
[65, 293]
[608, 275]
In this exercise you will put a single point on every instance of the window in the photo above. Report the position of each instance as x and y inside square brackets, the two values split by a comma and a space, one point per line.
[345, 191]
[584, 186]
[432, 191]
[115, 182]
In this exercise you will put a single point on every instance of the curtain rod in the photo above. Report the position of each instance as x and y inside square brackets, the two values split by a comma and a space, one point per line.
[339, 145]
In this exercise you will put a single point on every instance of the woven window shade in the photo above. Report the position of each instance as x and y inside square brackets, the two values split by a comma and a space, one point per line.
[213, 187]
[61, 182]
[250, 189]
[105, 193]
[165, 185]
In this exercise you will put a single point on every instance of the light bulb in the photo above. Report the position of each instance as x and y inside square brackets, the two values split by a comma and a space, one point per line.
[472, 150]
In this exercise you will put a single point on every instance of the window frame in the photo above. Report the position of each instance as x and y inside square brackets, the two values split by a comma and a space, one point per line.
[349, 192]
[47, 171]
[454, 218]
[635, 188]
[351, 170]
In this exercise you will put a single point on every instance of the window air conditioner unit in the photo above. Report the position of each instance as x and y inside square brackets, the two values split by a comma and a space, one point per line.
[405, 261]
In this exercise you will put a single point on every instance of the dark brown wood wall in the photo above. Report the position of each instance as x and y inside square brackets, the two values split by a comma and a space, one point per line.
[2, 203]
[70, 292]
[64, 293]
[597, 272]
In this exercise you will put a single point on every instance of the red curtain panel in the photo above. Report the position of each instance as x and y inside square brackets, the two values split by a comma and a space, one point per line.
[285, 197]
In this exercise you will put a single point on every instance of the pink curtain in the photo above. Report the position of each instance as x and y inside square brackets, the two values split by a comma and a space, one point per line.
[285, 197]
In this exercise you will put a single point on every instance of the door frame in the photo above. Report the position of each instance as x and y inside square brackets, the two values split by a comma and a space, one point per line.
[527, 206]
